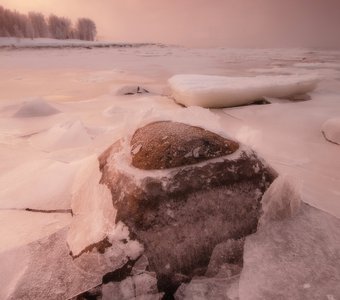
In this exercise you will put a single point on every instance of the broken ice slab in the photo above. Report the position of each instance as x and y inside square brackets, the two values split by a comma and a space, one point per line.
[221, 91]
[143, 286]
[209, 288]
[45, 270]
[296, 258]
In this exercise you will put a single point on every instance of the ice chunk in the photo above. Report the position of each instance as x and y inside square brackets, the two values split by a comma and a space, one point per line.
[219, 91]
[143, 286]
[94, 215]
[35, 108]
[283, 258]
[331, 130]
[281, 200]
[62, 136]
[45, 269]
[209, 288]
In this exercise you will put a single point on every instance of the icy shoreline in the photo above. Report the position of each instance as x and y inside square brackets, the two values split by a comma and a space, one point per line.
[46, 43]
[80, 112]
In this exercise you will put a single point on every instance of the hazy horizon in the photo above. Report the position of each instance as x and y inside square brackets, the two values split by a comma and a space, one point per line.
[203, 23]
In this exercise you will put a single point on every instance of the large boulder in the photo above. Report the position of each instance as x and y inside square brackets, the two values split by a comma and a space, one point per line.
[182, 190]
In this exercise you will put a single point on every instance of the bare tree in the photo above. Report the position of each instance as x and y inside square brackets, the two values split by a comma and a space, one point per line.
[29, 30]
[86, 29]
[39, 24]
[59, 27]
[33, 25]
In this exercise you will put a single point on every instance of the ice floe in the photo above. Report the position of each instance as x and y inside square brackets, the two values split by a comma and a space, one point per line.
[221, 91]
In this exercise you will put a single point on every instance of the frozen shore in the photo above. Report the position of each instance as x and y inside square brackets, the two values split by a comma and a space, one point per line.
[58, 108]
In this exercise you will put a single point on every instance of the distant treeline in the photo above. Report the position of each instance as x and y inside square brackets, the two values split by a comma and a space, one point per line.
[35, 25]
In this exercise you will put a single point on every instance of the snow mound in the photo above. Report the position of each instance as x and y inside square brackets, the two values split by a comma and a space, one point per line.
[331, 130]
[220, 91]
[62, 136]
[35, 108]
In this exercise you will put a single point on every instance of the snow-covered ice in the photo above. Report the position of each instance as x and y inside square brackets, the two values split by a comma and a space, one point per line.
[220, 91]
[39, 184]
[53, 43]
[331, 130]
[48, 150]
[35, 108]
[61, 136]
[21, 227]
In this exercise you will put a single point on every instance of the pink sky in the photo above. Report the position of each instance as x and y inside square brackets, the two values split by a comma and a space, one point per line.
[254, 23]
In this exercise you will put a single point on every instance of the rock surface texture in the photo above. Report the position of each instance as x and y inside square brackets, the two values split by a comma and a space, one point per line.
[183, 190]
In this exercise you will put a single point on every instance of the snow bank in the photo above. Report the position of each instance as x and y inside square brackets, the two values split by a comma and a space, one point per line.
[219, 91]
[331, 130]
[66, 135]
[55, 43]
[35, 108]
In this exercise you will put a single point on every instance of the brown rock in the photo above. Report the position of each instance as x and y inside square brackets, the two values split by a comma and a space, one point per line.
[156, 147]
[181, 214]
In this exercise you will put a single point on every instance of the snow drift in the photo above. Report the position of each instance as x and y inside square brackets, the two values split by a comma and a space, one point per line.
[220, 91]
[71, 134]
[35, 108]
